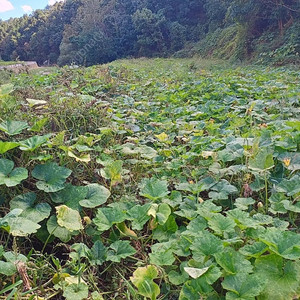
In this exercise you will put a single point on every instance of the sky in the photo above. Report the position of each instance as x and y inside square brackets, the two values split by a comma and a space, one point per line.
[17, 8]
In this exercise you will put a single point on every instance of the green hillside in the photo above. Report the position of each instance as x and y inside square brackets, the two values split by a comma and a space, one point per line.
[92, 32]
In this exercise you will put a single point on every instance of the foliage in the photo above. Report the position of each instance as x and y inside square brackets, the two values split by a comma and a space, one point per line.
[190, 189]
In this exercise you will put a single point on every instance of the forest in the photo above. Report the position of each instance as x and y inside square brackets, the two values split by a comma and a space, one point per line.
[152, 153]
[92, 32]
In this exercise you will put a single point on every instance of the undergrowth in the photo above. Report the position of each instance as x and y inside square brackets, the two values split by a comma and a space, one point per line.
[156, 179]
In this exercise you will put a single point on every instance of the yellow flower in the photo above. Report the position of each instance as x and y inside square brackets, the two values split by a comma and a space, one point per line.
[287, 161]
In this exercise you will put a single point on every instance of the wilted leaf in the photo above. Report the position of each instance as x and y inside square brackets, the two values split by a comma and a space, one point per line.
[68, 218]
[143, 279]
[163, 213]
[58, 231]
[82, 157]
[113, 172]
[195, 272]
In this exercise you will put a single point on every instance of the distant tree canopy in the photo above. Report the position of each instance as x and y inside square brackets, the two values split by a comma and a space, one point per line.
[97, 31]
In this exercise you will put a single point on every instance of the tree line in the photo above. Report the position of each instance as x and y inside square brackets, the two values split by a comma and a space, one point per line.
[88, 32]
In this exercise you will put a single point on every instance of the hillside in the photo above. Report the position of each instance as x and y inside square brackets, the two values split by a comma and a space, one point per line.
[92, 32]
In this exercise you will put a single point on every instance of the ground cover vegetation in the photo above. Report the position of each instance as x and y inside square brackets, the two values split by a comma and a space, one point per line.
[90, 32]
[150, 179]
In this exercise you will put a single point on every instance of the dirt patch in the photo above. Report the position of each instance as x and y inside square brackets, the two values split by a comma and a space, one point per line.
[21, 67]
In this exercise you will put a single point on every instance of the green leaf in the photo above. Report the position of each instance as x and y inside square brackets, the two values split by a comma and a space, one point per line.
[13, 127]
[162, 254]
[195, 226]
[138, 214]
[289, 186]
[178, 278]
[262, 161]
[107, 216]
[283, 277]
[68, 218]
[243, 286]
[76, 291]
[233, 262]
[58, 231]
[206, 244]
[26, 202]
[119, 250]
[163, 232]
[10, 176]
[222, 190]
[289, 206]
[147, 152]
[98, 254]
[143, 279]
[51, 177]
[96, 195]
[163, 213]
[195, 289]
[254, 250]
[243, 203]
[81, 251]
[70, 196]
[220, 224]
[162, 258]
[7, 268]
[283, 243]
[242, 219]
[39, 124]
[6, 146]
[13, 257]
[6, 89]
[154, 188]
[34, 142]
[231, 152]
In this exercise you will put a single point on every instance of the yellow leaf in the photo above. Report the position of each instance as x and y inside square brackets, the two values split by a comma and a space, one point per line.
[126, 231]
[163, 137]
[83, 158]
